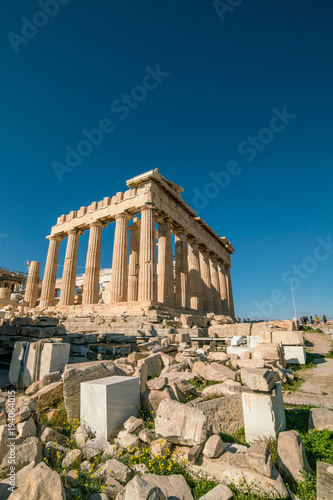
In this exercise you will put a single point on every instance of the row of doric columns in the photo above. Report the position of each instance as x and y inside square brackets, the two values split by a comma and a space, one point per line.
[196, 279]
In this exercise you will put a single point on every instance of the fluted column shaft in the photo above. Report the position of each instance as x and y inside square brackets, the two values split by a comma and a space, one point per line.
[93, 261]
[119, 275]
[69, 272]
[206, 281]
[50, 273]
[181, 268]
[31, 290]
[223, 289]
[165, 263]
[215, 284]
[230, 294]
[133, 262]
[194, 276]
[148, 270]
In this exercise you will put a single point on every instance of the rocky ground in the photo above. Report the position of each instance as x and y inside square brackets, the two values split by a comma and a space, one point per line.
[187, 443]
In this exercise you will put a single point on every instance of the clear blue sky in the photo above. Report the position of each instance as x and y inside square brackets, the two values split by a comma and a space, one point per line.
[223, 74]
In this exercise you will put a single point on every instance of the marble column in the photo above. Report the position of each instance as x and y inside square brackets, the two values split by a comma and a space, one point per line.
[194, 276]
[181, 269]
[223, 288]
[93, 262]
[50, 273]
[147, 259]
[215, 284]
[165, 263]
[230, 294]
[69, 272]
[133, 262]
[119, 273]
[31, 290]
[205, 279]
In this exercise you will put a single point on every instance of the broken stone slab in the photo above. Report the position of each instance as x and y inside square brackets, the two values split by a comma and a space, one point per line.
[251, 363]
[95, 446]
[214, 447]
[147, 435]
[321, 418]
[173, 486]
[81, 437]
[219, 356]
[190, 426]
[223, 414]
[139, 489]
[240, 474]
[41, 483]
[220, 492]
[71, 479]
[49, 395]
[324, 481]
[153, 363]
[72, 459]
[157, 383]
[292, 459]
[273, 353]
[26, 429]
[118, 470]
[227, 331]
[48, 379]
[23, 321]
[117, 398]
[51, 358]
[133, 424]
[214, 372]
[288, 338]
[29, 451]
[55, 453]
[82, 372]
[260, 458]
[218, 390]
[187, 453]
[264, 415]
[295, 355]
[258, 379]
[128, 441]
[152, 399]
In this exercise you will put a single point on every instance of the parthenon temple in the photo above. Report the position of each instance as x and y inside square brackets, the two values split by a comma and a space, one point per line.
[164, 255]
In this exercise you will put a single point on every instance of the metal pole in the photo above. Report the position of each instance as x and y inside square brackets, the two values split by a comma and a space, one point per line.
[292, 293]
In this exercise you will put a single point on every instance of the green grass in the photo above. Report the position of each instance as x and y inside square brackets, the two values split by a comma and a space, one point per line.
[318, 447]
[329, 355]
[201, 384]
[293, 385]
[237, 437]
[310, 329]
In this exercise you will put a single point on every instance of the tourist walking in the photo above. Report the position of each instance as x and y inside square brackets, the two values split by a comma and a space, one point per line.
[324, 319]
[317, 319]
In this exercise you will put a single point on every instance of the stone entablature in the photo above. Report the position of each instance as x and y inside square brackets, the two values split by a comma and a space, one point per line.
[202, 257]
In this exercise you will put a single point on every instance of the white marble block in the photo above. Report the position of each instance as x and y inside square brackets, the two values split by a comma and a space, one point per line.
[237, 349]
[237, 340]
[106, 403]
[53, 357]
[253, 341]
[264, 415]
[295, 354]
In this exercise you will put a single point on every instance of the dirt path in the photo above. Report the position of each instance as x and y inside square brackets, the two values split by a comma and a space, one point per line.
[317, 390]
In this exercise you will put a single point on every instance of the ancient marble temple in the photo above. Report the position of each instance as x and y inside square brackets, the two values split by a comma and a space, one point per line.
[163, 255]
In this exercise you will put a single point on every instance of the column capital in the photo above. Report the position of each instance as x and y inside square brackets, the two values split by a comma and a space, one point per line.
[123, 215]
[97, 223]
[202, 247]
[160, 218]
[149, 206]
[178, 230]
[75, 230]
[191, 240]
[55, 237]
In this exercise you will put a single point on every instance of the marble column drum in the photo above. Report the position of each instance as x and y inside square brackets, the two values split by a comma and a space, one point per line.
[194, 276]
[31, 291]
[205, 279]
[181, 269]
[69, 273]
[91, 275]
[148, 267]
[165, 263]
[223, 289]
[50, 273]
[215, 284]
[133, 262]
[230, 294]
[119, 273]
